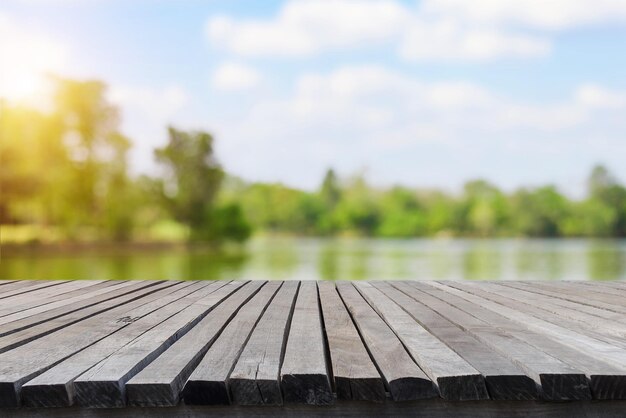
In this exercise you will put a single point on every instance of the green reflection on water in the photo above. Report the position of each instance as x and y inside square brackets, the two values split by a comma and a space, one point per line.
[337, 259]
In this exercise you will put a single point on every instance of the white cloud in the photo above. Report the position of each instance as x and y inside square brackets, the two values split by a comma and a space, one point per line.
[431, 30]
[231, 76]
[304, 28]
[401, 127]
[544, 14]
[448, 40]
[595, 96]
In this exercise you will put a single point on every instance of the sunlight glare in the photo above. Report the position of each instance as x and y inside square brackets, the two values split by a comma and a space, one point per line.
[26, 60]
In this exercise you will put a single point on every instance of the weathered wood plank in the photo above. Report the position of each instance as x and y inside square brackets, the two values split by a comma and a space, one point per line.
[104, 385]
[614, 348]
[46, 295]
[208, 384]
[10, 285]
[35, 357]
[456, 378]
[356, 377]
[27, 286]
[161, 382]
[3, 281]
[581, 303]
[85, 342]
[591, 294]
[610, 288]
[304, 374]
[255, 378]
[607, 381]
[404, 379]
[505, 381]
[583, 295]
[575, 316]
[55, 387]
[558, 380]
[63, 301]
[28, 329]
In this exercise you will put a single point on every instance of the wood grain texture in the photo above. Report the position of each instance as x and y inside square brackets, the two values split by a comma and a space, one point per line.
[354, 373]
[162, 381]
[456, 379]
[304, 373]
[592, 366]
[255, 378]
[311, 348]
[403, 378]
[29, 328]
[56, 387]
[48, 295]
[16, 368]
[504, 380]
[208, 384]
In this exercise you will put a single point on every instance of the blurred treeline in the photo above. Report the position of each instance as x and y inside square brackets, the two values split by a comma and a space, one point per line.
[64, 176]
[481, 210]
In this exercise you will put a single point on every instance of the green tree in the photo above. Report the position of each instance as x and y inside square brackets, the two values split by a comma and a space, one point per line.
[486, 208]
[330, 191]
[357, 211]
[96, 187]
[539, 213]
[401, 214]
[606, 191]
[192, 181]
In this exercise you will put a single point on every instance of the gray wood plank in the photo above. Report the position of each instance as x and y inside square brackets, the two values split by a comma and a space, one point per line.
[304, 373]
[582, 303]
[456, 378]
[35, 357]
[603, 331]
[28, 329]
[607, 380]
[104, 385]
[590, 294]
[119, 351]
[354, 373]
[15, 284]
[161, 382]
[558, 380]
[403, 378]
[64, 300]
[208, 384]
[44, 295]
[505, 381]
[29, 286]
[610, 288]
[255, 377]
[575, 316]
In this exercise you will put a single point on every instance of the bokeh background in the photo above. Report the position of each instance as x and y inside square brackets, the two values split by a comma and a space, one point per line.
[313, 139]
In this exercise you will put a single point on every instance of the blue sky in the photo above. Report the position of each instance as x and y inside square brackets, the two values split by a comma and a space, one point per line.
[424, 93]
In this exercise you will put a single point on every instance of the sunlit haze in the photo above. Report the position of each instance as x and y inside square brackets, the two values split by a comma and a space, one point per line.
[425, 93]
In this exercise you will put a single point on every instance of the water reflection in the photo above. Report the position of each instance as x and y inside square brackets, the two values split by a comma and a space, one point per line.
[335, 259]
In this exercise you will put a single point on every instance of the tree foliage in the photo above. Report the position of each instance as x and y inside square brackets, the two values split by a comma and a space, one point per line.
[68, 169]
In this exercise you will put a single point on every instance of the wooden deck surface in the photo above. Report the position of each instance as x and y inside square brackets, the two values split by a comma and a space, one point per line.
[289, 345]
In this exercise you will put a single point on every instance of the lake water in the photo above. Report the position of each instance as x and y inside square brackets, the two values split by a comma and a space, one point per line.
[335, 259]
